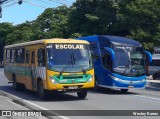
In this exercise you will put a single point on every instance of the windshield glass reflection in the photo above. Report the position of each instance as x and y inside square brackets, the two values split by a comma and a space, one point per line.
[69, 57]
[129, 60]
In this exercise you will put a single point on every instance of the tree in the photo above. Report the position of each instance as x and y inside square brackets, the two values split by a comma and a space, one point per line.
[5, 28]
[139, 19]
[89, 17]
[52, 23]
[21, 33]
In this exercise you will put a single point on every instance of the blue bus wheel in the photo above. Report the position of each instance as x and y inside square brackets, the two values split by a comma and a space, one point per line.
[124, 90]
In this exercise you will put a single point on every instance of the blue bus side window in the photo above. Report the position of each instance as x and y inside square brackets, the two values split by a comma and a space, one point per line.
[106, 60]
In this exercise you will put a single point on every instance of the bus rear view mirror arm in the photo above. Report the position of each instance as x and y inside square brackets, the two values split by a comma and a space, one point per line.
[149, 56]
[111, 53]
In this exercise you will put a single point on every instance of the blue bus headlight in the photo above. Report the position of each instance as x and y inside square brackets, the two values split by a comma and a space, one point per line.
[53, 80]
[114, 78]
[128, 81]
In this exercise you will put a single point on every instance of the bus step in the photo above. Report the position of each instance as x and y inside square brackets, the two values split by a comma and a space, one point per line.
[10, 82]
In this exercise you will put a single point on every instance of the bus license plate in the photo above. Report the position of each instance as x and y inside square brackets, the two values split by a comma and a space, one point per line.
[72, 87]
[130, 86]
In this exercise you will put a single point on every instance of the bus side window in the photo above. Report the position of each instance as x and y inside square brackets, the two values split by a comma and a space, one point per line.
[27, 56]
[41, 57]
[8, 55]
[20, 55]
[33, 57]
[12, 55]
[107, 63]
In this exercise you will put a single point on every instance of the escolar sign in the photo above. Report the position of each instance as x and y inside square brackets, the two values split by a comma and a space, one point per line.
[69, 46]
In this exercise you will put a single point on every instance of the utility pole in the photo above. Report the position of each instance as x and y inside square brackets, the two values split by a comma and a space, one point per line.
[2, 1]
[20, 2]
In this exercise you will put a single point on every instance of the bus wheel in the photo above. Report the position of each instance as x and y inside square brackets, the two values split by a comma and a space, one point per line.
[124, 90]
[42, 93]
[16, 85]
[82, 93]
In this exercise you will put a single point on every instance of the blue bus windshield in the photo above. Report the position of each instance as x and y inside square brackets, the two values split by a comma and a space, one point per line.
[129, 60]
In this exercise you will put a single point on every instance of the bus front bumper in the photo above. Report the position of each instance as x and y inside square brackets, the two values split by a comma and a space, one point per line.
[71, 87]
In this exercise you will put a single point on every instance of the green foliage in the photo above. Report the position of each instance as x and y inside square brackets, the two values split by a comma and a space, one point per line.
[139, 19]
[90, 17]
[5, 29]
[52, 23]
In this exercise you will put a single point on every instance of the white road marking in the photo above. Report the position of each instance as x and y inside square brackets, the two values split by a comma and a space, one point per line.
[153, 81]
[33, 104]
[147, 97]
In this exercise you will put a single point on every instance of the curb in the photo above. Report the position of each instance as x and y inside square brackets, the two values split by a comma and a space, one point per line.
[26, 104]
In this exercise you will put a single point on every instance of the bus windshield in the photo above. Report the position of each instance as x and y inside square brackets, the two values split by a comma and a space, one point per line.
[129, 60]
[69, 57]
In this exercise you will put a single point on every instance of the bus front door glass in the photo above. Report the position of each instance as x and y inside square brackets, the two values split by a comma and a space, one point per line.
[69, 57]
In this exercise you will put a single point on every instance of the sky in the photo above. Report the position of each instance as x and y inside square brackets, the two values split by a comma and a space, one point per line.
[29, 10]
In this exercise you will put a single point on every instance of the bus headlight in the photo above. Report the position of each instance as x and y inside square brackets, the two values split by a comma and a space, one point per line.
[53, 80]
[90, 79]
[143, 80]
[114, 78]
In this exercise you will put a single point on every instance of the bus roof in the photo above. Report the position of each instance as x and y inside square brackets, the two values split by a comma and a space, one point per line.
[113, 39]
[45, 41]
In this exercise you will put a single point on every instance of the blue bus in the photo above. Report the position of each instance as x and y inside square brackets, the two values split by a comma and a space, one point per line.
[118, 62]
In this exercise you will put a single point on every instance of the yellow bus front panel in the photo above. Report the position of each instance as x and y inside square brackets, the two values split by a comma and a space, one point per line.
[68, 80]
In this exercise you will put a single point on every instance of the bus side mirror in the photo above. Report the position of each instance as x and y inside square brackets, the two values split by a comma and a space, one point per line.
[148, 56]
[112, 54]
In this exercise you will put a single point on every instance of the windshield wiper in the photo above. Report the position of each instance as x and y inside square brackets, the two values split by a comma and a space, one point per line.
[72, 62]
[60, 73]
[137, 71]
[73, 59]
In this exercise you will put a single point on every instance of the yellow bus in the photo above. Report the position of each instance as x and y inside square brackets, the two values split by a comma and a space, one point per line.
[50, 65]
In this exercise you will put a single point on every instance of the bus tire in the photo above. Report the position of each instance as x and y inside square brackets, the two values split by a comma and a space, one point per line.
[16, 85]
[42, 93]
[124, 90]
[82, 94]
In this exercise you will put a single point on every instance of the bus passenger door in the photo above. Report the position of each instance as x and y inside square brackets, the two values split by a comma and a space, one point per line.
[29, 71]
[33, 66]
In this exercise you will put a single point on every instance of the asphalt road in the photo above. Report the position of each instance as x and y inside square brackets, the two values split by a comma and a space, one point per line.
[105, 99]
